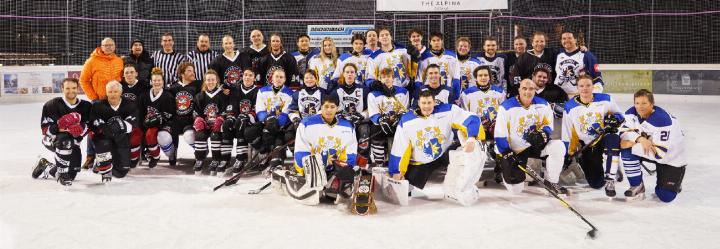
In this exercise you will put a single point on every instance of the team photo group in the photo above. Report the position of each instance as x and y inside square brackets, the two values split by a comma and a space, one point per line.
[383, 119]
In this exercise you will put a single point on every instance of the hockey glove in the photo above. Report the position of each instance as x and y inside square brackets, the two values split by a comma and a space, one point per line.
[115, 126]
[75, 130]
[558, 109]
[153, 120]
[217, 125]
[229, 124]
[489, 126]
[537, 139]
[387, 124]
[68, 119]
[612, 122]
[199, 124]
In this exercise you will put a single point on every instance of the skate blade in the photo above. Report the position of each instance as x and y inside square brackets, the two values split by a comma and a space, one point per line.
[639, 197]
[213, 173]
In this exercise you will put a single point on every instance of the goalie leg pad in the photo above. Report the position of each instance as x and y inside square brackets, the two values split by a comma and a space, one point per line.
[464, 171]
[307, 189]
[392, 190]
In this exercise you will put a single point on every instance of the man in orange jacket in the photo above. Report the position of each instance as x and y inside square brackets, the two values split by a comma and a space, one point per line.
[102, 67]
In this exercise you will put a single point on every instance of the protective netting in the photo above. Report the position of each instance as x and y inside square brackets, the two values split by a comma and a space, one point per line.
[619, 32]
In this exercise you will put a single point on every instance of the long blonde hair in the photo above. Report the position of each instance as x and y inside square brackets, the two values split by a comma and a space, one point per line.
[334, 53]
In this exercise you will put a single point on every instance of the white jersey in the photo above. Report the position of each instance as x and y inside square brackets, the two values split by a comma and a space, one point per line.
[325, 67]
[352, 99]
[381, 104]
[663, 131]
[449, 68]
[306, 102]
[269, 103]
[359, 60]
[569, 66]
[483, 103]
[420, 140]
[582, 122]
[497, 70]
[467, 67]
[514, 121]
[397, 59]
[333, 142]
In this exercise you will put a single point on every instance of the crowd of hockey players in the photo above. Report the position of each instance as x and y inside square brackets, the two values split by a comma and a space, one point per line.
[396, 112]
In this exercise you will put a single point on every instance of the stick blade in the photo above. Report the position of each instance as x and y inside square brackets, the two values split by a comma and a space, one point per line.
[592, 233]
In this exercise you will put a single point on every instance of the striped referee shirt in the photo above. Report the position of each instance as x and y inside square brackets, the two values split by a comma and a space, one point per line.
[168, 62]
[202, 60]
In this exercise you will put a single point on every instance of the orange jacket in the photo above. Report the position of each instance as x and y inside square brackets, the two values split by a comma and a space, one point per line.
[98, 70]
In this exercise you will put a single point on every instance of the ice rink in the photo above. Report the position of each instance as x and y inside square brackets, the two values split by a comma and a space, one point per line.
[166, 208]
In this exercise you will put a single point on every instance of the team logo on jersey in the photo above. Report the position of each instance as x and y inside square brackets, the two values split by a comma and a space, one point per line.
[350, 104]
[465, 76]
[397, 67]
[591, 122]
[430, 139]
[233, 76]
[211, 111]
[270, 71]
[151, 111]
[274, 105]
[184, 103]
[130, 96]
[494, 74]
[568, 72]
[309, 105]
[330, 148]
[488, 107]
[391, 107]
[245, 106]
[530, 122]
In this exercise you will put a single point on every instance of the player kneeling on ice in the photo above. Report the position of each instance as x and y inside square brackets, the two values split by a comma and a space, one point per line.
[64, 123]
[325, 157]
[113, 121]
[158, 111]
[420, 147]
[652, 134]
[211, 108]
[524, 124]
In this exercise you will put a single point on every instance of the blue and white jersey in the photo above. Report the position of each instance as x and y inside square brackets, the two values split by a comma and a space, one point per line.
[378, 103]
[443, 94]
[396, 59]
[352, 99]
[420, 140]
[483, 103]
[467, 67]
[569, 66]
[514, 121]
[662, 129]
[332, 141]
[325, 67]
[360, 60]
[582, 122]
[497, 69]
[306, 102]
[449, 68]
[271, 103]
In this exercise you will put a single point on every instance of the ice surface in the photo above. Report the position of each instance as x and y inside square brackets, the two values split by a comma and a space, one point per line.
[166, 208]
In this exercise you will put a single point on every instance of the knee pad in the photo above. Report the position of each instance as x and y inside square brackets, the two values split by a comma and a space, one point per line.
[189, 137]
[63, 144]
[151, 136]
[47, 141]
[164, 138]
[665, 195]
[103, 162]
[596, 183]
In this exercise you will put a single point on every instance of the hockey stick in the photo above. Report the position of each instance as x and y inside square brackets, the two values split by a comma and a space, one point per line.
[535, 177]
[235, 178]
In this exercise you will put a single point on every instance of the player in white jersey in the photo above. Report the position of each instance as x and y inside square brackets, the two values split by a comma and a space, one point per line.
[483, 99]
[392, 57]
[572, 62]
[652, 134]
[325, 155]
[386, 104]
[422, 139]
[468, 63]
[524, 126]
[445, 59]
[443, 93]
[353, 105]
[495, 61]
[591, 121]
[273, 108]
[324, 63]
[358, 56]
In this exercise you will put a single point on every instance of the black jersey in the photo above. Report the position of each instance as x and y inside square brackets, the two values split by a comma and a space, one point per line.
[102, 113]
[58, 107]
[133, 93]
[284, 61]
[162, 103]
[212, 104]
[553, 94]
[184, 96]
[230, 70]
[254, 57]
[244, 100]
